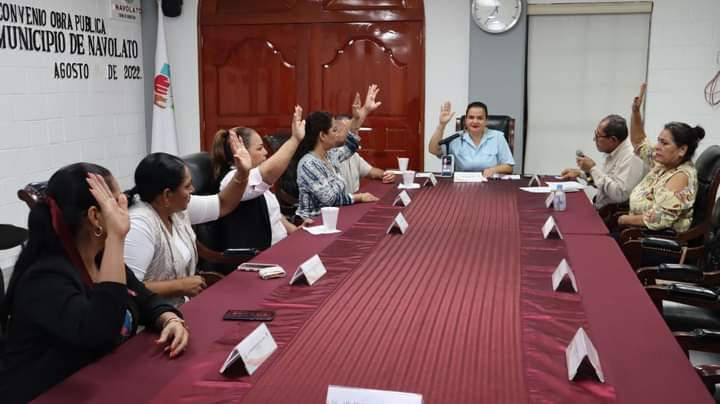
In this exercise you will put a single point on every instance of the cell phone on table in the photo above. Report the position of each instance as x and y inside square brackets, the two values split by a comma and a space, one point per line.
[249, 315]
[448, 165]
[254, 266]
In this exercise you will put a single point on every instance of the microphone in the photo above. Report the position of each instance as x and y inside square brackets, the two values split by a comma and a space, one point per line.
[448, 139]
[579, 153]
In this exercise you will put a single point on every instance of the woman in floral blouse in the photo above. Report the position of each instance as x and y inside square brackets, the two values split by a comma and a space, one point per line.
[664, 198]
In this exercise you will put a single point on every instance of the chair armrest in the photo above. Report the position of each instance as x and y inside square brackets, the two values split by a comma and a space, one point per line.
[661, 243]
[693, 291]
[215, 257]
[710, 374]
[679, 272]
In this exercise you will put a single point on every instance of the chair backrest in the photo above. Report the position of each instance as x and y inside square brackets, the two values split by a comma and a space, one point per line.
[274, 141]
[32, 193]
[503, 123]
[708, 173]
[201, 171]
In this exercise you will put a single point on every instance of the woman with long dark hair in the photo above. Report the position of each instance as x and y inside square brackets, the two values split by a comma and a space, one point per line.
[71, 299]
[327, 143]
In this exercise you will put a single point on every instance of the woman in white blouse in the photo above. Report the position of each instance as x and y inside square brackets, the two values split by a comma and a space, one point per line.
[263, 174]
[160, 246]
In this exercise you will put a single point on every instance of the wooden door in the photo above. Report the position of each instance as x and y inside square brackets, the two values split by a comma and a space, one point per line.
[259, 58]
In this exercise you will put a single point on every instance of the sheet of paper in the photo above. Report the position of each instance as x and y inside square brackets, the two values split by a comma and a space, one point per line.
[353, 395]
[568, 186]
[536, 190]
[469, 176]
[317, 230]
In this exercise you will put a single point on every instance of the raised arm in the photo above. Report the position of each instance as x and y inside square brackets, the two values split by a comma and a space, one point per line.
[446, 115]
[360, 112]
[232, 194]
[637, 126]
[272, 168]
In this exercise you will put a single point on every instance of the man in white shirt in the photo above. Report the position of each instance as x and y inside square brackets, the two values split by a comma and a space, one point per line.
[622, 169]
[354, 168]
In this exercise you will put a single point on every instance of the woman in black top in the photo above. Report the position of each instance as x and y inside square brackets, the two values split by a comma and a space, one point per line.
[71, 299]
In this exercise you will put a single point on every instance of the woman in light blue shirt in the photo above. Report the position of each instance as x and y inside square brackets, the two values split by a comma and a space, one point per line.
[477, 148]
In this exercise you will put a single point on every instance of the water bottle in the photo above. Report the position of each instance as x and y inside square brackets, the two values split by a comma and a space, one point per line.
[559, 201]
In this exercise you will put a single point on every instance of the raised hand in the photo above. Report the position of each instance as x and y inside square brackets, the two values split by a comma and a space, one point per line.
[357, 107]
[114, 210]
[241, 157]
[371, 104]
[638, 100]
[446, 113]
[298, 124]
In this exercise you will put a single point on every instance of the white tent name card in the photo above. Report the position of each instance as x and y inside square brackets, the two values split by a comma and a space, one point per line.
[430, 179]
[582, 358]
[534, 180]
[549, 200]
[311, 270]
[399, 225]
[402, 198]
[550, 229]
[351, 395]
[563, 278]
[253, 350]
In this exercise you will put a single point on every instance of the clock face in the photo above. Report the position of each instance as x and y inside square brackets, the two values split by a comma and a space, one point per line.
[496, 16]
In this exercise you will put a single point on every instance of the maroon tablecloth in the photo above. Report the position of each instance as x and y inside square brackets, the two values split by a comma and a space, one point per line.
[449, 310]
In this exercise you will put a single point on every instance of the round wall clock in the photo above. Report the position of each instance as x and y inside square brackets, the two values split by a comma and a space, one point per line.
[496, 16]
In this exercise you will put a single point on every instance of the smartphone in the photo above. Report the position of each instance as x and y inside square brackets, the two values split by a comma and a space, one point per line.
[241, 251]
[254, 266]
[249, 315]
[448, 166]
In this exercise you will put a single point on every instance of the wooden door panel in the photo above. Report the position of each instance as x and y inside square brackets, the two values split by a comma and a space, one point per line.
[261, 57]
[251, 77]
[347, 57]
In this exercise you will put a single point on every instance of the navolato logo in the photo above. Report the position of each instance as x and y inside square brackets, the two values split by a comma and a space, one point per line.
[162, 87]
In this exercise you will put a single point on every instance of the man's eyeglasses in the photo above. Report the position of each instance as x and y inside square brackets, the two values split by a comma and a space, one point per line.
[597, 136]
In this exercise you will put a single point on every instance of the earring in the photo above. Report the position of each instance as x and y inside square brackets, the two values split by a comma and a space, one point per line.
[98, 231]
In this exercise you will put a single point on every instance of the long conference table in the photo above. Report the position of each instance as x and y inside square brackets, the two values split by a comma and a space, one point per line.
[459, 309]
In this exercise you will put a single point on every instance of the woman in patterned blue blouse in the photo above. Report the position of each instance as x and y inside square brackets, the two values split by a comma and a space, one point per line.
[318, 175]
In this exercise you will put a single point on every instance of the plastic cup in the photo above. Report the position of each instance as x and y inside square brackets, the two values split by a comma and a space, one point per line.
[403, 163]
[408, 177]
[330, 217]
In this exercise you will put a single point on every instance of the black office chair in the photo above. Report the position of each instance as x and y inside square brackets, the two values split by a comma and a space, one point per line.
[214, 258]
[503, 123]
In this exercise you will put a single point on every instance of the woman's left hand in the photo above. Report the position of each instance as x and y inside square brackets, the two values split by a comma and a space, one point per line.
[241, 157]
[177, 335]
[623, 219]
[388, 177]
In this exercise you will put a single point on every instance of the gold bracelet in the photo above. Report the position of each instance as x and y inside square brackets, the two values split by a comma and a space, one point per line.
[241, 182]
[178, 319]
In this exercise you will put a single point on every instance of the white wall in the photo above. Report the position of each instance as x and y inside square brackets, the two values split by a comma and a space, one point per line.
[447, 59]
[181, 34]
[684, 46]
[46, 123]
